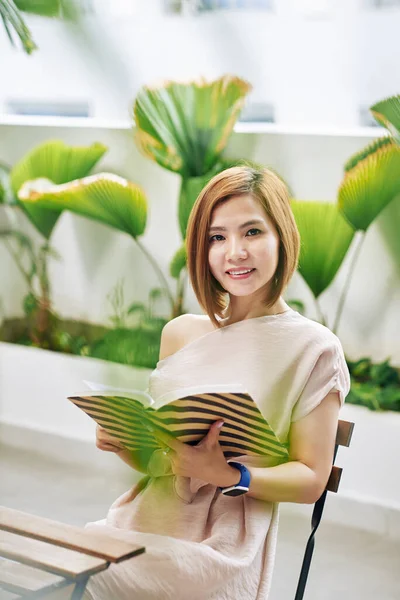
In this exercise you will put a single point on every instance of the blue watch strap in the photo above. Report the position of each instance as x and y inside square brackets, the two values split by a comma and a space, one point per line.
[244, 472]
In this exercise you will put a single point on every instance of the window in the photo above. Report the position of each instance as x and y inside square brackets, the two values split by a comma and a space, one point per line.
[48, 108]
[179, 6]
[258, 112]
[232, 4]
[365, 117]
[381, 4]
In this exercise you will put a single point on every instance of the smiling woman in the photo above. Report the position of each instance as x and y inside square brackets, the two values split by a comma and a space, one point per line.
[209, 524]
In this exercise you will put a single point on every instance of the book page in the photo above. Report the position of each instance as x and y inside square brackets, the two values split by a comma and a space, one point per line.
[107, 390]
[218, 388]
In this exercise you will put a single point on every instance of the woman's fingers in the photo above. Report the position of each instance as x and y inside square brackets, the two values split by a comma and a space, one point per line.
[164, 438]
[108, 448]
[106, 442]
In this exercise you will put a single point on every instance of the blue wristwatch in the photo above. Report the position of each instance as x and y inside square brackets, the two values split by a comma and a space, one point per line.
[244, 484]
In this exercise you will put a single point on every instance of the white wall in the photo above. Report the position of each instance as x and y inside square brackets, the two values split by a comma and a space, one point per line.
[95, 257]
[317, 62]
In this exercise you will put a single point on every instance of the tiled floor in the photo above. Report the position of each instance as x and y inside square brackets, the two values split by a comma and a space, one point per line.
[348, 564]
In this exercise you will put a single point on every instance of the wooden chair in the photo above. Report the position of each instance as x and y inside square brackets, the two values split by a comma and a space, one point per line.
[343, 438]
[44, 556]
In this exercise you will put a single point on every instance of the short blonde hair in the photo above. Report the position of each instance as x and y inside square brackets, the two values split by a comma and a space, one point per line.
[272, 194]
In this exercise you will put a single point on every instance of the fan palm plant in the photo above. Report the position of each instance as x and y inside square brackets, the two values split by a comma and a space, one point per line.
[56, 162]
[116, 202]
[325, 239]
[185, 128]
[370, 183]
[372, 180]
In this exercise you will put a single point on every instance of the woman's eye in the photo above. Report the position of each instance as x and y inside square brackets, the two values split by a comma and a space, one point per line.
[212, 239]
[254, 229]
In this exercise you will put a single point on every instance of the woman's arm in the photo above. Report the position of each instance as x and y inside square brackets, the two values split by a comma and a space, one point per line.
[312, 443]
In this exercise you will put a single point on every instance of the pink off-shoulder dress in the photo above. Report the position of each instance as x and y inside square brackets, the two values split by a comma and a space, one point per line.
[199, 543]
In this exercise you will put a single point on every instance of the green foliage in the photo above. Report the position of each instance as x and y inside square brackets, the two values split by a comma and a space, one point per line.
[297, 305]
[185, 127]
[370, 186]
[325, 239]
[367, 151]
[191, 188]
[7, 195]
[104, 197]
[387, 113]
[10, 13]
[44, 8]
[178, 262]
[70, 344]
[376, 386]
[14, 23]
[30, 304]
[59, 163]
[139, 346]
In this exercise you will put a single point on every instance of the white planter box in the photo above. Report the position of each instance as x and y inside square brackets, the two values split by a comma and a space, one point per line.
[371, 464]
[35, 383]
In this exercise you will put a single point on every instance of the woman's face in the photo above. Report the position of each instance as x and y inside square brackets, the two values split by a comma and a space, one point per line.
[242, 237]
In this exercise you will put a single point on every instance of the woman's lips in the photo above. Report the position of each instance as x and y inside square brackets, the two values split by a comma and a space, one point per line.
[244, 276]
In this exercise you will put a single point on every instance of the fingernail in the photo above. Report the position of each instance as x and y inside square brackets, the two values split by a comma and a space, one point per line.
[220, 424]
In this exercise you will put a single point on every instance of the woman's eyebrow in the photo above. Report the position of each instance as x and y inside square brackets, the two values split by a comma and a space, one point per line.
[252, 222]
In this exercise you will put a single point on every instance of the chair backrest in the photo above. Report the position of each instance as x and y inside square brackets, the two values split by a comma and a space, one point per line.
[343, 438]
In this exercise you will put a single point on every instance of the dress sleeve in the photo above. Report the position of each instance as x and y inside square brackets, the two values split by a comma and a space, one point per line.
[329, 373]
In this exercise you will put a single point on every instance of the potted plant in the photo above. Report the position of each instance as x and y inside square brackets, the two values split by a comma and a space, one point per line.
[185, 128]
[370, 183]
[51, 161]
[204, 115]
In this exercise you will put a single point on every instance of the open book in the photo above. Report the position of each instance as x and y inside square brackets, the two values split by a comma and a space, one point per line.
[187, 414]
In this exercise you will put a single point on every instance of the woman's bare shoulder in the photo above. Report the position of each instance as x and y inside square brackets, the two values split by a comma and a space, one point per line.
[181, 331]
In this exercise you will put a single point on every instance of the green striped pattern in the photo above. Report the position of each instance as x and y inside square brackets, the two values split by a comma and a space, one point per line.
[245, 430]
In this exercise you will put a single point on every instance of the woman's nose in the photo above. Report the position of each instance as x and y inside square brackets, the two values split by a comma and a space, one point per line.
[236, 249]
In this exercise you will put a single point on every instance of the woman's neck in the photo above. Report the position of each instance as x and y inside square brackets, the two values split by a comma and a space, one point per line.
[238, 314]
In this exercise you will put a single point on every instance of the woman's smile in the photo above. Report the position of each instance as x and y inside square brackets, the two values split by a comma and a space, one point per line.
[240, 274]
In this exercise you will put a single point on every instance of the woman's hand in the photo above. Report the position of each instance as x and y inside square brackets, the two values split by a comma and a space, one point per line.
[205, 461]
[106, 442]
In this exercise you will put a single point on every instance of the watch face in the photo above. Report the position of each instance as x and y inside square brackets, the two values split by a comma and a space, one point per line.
[236, 492]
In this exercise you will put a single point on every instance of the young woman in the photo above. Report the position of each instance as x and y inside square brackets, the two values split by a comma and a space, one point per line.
[203, 542]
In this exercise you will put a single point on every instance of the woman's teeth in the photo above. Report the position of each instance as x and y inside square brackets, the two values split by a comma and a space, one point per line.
[240, 274]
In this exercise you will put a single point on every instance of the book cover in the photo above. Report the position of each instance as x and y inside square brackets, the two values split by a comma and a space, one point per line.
[187, 414]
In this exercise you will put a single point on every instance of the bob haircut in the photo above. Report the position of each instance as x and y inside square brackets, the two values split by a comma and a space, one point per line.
[272, 194]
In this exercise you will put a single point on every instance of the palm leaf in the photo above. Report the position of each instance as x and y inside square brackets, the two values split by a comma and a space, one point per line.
[370, 149]
[192, 186]
[368, 188]
[185, 127]
[387, 113]
[325, 238]
[103, 197]
[190, 189]
[44, 8]
[13, 22]
[59, 163]
[178, 262]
